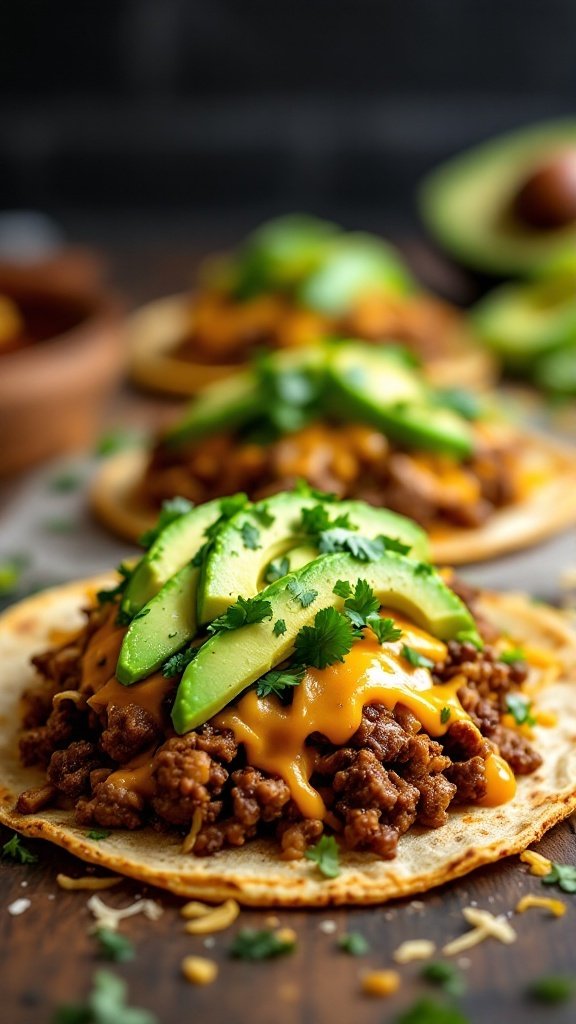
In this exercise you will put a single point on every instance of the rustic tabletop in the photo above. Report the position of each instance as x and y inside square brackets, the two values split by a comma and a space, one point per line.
[48, 957]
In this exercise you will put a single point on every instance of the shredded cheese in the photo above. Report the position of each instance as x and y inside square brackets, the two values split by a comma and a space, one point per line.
[199, 971]
[556, 907]
[539, 865]
[74, 695]
[548, 719]
[190, 839]
[217, 920]
[87, 882]
[485, 926]
[414, 949]
[195, 909]
[380, 983]
[110, 917]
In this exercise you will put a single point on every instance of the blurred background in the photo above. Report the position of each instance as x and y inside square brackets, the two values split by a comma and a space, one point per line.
[187, 120]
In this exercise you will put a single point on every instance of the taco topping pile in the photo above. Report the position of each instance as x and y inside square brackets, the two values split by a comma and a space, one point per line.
[352, 420]
[294, 669]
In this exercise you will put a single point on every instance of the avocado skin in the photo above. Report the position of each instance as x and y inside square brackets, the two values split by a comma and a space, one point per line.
[231, 569]
[168, 623]
[230, 662]
[467, 202]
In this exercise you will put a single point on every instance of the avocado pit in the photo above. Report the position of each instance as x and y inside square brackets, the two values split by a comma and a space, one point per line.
[547, 198]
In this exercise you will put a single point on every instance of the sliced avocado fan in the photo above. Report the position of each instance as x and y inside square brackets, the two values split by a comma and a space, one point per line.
[229, 662]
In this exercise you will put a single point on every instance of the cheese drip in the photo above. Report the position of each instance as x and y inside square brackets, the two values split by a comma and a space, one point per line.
[331, 700]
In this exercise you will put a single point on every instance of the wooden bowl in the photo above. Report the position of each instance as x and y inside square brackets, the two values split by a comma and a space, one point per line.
[52, 389]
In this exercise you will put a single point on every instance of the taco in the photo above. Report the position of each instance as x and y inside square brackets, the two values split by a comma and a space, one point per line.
[292, 281]
[284, 703]
[362, 423]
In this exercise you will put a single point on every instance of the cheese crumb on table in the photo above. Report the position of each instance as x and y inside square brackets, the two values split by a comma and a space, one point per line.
[380, 983]
[19, 906]
[414, 949]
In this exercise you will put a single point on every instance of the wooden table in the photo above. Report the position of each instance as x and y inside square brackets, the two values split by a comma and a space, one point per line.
[48, 957]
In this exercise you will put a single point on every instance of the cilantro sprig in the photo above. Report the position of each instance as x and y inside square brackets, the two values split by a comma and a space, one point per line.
[414, 658]
[260, 944]
[562, 875]
[520, 707]
[177, 663]
[326, 855]
[114, 946]
[105, 1003]
[364, 549]
[279, 680]
[15, 849]
[327, 641]
[316, 520]
[243, 613]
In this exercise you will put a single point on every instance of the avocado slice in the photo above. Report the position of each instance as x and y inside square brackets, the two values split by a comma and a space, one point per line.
[231, 661]
[173, 548]
[467, 203]
[237, 565]
[162, 627]
[227, 403]
[280, 253]
[373, 386]
[355, 264]
[521, 322]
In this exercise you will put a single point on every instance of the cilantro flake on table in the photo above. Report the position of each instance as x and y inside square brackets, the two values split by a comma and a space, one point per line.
[520, 707]
[299, 592]
[260, 944]
[279, 681]
[326, 855]
[11, 570]
[105, 1004]
[172, 509]
[327, 641]
[428, 1011]
[414, 658]
[562, 875]
[552, 989]
[114, 946]
[276, 569]
[114, 441]
[243, 613]
[354, 943]
[15, 849]
[66, 482]
[445, 975]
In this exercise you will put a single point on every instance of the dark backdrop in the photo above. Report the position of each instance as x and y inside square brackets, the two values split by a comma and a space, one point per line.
[225, 105]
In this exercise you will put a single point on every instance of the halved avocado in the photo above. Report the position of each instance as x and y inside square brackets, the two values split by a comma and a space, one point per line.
[354, 265]
[371, 386]
[521, 322]
[275, 527]
[231, 661]
[469, 202]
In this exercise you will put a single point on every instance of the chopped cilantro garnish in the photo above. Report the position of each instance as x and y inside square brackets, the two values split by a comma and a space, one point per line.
[316, 520]
[172, 509]
[14, 848]
[279, 681]
[354, 943]
[276, 569]
[414, 658]
[250, 536]
[361, 603]
[260, 944]
[363, 548]
[385, 630]
[445, 976]
[445, 715]
[105, 1003]
[109, 596]
[553, 989]
[305, 490]
[114, 946]
[243, 613]
[423, 569]
[428, 1011]
[342, 588]
[512, 656]
[176, 663]
[520, 707]
[11, 573]
[98, 833]
[115, 441]
[562, 875]
[328, 640]
[326, 855]
[228, 508]
[66, 482]
[299, 592]
[279, 627]
[263, 515]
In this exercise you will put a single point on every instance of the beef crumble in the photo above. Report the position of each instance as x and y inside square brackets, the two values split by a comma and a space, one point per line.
[390, 775]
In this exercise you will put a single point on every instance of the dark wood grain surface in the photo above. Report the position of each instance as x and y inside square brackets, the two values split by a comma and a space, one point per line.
[48, 957]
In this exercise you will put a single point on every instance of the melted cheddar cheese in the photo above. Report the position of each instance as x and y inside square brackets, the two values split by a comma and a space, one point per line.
[331, 700]
[150, 694]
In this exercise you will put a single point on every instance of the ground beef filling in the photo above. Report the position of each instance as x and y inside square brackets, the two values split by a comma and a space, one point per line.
[352, 461]
[388, 777]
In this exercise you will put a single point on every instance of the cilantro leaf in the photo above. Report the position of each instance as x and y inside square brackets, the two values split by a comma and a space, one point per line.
[98, 833]
[328, 640]
[105, 1003]
[279, 681]
[326, 854]
[177, 663]
[363, 601]
[299, 592]
[259, 944]
[114, 946]
[553, 989]
[445, 715]
[279, 627]
[66, 482]
[562, 875]
[342, 588]
[172, 509]
[354, 943]
[243, 613]
[305, 490]
[423, 569]
[385, 630]
[415, 659]
[228, 508]
[445, 975]
[276, 569]
[14, 848]
[519, 707]
[115, 441]
[250, 536]
[316, 520]
[364, 549]
[428, 1011]
[11, 573]
[512, 656]
[263, 515]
